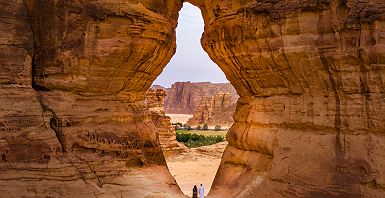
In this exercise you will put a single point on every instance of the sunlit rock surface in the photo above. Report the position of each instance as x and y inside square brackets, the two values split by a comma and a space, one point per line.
[73, 77]
[309, 121]
[214, 110]
[310, 73]
[185, 97]
[167, 136]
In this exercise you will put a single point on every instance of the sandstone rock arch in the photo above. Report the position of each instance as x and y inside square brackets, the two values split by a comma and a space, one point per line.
[309, 121]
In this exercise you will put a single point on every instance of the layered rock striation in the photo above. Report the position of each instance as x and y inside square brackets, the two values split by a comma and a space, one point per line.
[167, 136]
[310, 75]
[23, 125]
[309, 121]
[185, 97]
[72, 81]
[215, 110]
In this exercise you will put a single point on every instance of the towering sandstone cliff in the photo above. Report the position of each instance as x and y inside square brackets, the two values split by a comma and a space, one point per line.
[185, 97]
[214, 110]
[310, 75]
[309, 122]
[73, 78]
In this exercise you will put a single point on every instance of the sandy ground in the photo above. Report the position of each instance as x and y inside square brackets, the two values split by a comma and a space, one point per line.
[182, 118]
[196, 166]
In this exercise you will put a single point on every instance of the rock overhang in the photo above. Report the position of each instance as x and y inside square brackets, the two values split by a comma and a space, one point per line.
[309, 74]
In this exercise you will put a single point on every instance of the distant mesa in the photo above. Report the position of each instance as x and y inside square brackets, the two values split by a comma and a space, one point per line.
[209, 103]
[185, 97]
[214, 110]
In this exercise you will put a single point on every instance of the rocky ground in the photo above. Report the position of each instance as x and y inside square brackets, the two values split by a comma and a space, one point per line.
[196, 166]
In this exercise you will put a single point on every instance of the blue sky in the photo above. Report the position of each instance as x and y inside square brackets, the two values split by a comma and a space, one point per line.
[190, 62]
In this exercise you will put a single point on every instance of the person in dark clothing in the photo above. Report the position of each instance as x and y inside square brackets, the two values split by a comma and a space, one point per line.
[195, 192]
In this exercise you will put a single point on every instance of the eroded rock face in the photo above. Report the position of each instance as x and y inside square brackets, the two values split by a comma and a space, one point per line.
[185, 97]
[310, 74]
[73, 77]
[167, 136]
[23, 127]
[215, 110]
[309, 121]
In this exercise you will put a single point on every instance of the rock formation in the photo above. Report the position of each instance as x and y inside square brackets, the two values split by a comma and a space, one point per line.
[310, 75]
[309, 121]
[73, 78]
[155, 100]
[214, 110]
[184, 97]
[167, 136]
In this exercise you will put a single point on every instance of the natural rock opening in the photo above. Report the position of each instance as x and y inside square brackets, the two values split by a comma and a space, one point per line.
[309, 121]
[192, 106]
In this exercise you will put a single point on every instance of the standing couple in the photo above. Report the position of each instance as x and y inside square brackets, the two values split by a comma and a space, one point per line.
[201, 191]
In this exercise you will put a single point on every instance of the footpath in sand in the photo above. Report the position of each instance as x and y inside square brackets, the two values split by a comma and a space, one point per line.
[196, 166]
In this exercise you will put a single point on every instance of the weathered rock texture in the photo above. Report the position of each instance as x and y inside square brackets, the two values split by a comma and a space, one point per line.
[215, 110]
[310, 74]
[309, 121]
[167, 135]
[72, 82]
[185, 97]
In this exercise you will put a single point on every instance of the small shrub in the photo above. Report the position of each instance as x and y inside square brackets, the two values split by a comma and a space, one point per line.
[199, 127]
[177, 127]
[217, 128]
[205, 127]
[188, 127]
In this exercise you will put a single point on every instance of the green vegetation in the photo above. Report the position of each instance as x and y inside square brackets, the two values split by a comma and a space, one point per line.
[177, 125]
[187, 127]
[205, 127]
[217, 128]
[205, 133]
[193, 139]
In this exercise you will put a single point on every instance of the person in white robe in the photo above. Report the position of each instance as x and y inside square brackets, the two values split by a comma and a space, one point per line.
[201, 191]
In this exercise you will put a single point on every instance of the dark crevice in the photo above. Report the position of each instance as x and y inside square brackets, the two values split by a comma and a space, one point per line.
[55, 122]
[365, 91]
[340, 149]
[56, 125]
[325, 56]
[34, 49]
[337, 117]
[34, 85]
[3, 158]
[34, 69]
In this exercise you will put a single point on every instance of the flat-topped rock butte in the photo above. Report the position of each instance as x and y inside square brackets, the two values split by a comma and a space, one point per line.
[216, 110]
[185, 97]
[207, 103]
[309, 121]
